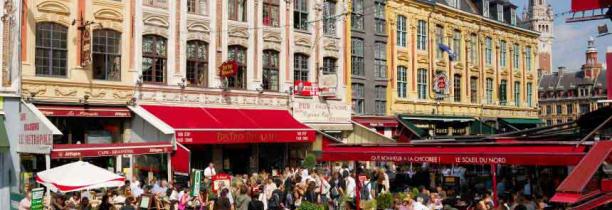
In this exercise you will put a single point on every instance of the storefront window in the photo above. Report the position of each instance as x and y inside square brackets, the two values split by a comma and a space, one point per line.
[270, 70]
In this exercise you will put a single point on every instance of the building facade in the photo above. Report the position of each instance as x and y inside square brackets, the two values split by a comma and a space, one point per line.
[539, 16]
[566, 95]
[466, 60]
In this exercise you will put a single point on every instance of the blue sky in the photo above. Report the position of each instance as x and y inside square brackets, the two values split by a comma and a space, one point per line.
[571, 38]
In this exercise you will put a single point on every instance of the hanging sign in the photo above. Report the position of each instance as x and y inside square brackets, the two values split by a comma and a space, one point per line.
[221, 181]
[37, 198]
[304, 88]
[440, 84]
[328, 83]
[196, 181]
[228, 68]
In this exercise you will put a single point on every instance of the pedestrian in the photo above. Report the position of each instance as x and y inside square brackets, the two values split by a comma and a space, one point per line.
[243, 199]
[85, 205]
[350, 184]
[203, 201]
[184, 199]
[419, 204]
[223, 202]
[26, 202]
[106, 203]
[58, 203]
[311, 195]
[255, 203]
[129, 204]
[74, 201]
[209, 172]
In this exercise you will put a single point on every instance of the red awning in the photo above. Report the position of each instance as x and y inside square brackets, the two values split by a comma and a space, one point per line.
[376, 121]
[460, 154]
[95, 150]
[198, 125]
[181, 160]
[572, 189]
[595, 202]
[84, 111]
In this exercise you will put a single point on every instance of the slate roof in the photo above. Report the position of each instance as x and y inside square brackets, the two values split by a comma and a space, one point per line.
[570, 80]
[473, 6]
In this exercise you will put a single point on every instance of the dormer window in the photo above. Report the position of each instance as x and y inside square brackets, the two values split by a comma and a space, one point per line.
[454, 3]
[513, 16]
[485, 8]
[500, 12]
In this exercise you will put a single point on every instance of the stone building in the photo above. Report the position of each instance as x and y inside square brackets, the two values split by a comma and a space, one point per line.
[461, 67]
[539, 16]
[565, 95]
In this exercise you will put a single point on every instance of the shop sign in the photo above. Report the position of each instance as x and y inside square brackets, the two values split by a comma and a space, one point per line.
[244, 136]
[85, 113]
[228, 69]
[304, 88]
[36, 131]
[221, 181]
[37, 198]
[328, 84]
[15, 199]
[106, 151]
[441, 85]
[309, 111]
[196, 181]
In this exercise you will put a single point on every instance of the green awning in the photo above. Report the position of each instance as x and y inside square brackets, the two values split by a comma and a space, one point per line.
[410, 126]
[479, 127]
[438, 118]
[522, 121]
[4, 141]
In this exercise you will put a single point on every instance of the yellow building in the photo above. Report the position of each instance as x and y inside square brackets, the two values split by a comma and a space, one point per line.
[453, 66]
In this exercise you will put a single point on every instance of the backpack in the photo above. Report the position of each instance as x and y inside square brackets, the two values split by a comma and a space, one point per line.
[365, 192]
[334, 192]
[274, 201]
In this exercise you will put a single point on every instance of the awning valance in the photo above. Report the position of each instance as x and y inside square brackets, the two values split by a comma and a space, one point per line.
[84, 111]
[98, 150]
[200, 125]
[4, 142]
[465, 154]
[376, 121]
[331, 126]
[181, 160]
[522, 121]
[437, 118]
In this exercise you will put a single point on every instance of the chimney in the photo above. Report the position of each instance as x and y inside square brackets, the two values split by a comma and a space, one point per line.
[609, 72]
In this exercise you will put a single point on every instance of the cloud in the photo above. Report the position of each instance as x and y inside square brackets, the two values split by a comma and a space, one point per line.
[570, 43]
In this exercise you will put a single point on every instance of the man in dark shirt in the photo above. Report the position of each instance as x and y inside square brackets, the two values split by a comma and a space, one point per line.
[256, 204]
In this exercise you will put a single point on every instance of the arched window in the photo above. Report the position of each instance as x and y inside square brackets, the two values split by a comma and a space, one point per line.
[197, 63]
[270, 70]
[154, 59]
[238, 54]
[51, 49]
[106, 54]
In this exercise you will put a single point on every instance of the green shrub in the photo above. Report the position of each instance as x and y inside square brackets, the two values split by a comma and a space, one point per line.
[310, 161]
[310, 206]
[384, 201]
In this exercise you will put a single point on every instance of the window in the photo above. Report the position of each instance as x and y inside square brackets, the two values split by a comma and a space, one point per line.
[529, 94]
[485, 8]
[439, 41]
[548, 122]
[237, 10]
[570, 108]
[517, 93]
[422, 83]
[300, 15]
[270, 70]
[154, 59]
[402, 81]
[457, 44]
[502, 53]
[528, 58]
[503, 92]
[300, 67]
[357, 65]
[584, 108]
[401, 31]
[474, 49]
[515, 59]
[329, 21]
[548, 109]
[357, 15]
[156, 3]
[454, 3]
[379, 7]
[197, 63]
[380, 59]
[559, 122]
[380, 105]
[513, 16]
[106, 55]
[51, 49]
[489, 90]
[422, 35]
[358, 98]
[500, 12]
[559, 110]
[474, 90]
[238, 54]
[457, 88]
[196, 7]
[488, 51]
[271, 13]
[329, 65]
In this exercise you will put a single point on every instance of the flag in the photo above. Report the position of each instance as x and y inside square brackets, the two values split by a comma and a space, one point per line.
[447, 49]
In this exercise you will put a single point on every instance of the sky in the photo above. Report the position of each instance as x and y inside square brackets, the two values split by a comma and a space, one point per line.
[571, 39]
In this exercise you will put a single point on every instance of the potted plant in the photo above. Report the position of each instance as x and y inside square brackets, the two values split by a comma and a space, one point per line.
[310, 161]
[384, 201]
[310, 206]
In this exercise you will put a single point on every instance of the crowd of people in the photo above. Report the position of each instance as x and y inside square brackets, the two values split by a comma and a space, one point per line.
[292, 188]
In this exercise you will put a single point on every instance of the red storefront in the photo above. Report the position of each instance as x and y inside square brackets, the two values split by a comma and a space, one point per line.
[268, 139]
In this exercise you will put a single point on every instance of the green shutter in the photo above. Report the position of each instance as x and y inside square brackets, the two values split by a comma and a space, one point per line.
[4, 142]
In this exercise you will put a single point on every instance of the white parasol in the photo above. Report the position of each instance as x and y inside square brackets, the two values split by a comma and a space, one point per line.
[78, 176]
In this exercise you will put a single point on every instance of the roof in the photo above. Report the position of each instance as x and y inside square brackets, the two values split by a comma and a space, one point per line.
[570, 80]
[474, 7]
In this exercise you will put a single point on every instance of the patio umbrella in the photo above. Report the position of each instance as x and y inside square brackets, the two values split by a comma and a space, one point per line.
[78, 176]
